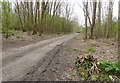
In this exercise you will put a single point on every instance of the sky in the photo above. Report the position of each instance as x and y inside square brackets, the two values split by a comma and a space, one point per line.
[78, 12]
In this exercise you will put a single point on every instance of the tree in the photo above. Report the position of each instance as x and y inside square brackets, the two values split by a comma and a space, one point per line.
[36, 14]
[68, 13]
[93, 18]
[32, 17]
[40, 17]
[86, 15]
[119, 33]
[109, 24]
[6, 18]
[99, 32]
[18, 11]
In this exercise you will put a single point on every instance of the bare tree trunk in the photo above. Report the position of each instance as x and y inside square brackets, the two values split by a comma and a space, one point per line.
[55, 8]
[104, 14]
[39, 19]
[43, 10]
[85, 13]
[93, 18]
[28, 18]
[109, 25]
[18, 10]
[119, 34]
[99, 32]
[24, 14]
[31, 16]
[35, 25]
[56, 5]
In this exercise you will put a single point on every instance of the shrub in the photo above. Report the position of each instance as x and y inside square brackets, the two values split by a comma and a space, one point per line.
[90, 69]
[110, 67]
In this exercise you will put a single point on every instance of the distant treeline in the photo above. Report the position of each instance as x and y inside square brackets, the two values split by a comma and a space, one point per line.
[37, 17]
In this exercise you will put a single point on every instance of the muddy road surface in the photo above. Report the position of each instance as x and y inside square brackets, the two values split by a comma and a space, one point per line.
[19, 62]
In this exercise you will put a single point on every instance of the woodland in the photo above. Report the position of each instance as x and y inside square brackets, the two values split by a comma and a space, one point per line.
[40, 17]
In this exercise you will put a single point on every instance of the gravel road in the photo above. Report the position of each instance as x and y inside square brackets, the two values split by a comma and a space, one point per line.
[19, 62]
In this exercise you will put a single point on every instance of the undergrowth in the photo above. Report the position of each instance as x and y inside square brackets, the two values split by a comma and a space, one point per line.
[89, 68]
[91, 49]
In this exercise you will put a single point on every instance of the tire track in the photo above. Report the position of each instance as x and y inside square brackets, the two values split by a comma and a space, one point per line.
[33, 60]
[16, 53]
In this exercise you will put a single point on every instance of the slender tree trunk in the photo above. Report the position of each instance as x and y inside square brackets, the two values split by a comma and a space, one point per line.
[99, 32]
[24, 14]
[93, 18]
[18, 9]
[119, 34]
[39, 19]
[28, 17]
[31, 16]
[86, 9]
[109, 24]
[35, 25]
[7, 16]
[43, 9]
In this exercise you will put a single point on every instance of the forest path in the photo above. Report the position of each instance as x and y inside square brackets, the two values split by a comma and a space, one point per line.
[18, 62]
[61, 65]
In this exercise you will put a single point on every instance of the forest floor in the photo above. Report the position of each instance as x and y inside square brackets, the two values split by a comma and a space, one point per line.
[23, 39]
[61, 66]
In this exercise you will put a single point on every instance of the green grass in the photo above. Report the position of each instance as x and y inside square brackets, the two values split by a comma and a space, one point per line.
[7, 32]
[90, 50]
[18, 35]
[73, 49]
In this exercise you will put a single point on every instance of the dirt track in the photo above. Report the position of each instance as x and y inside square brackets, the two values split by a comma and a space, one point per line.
[19, 62]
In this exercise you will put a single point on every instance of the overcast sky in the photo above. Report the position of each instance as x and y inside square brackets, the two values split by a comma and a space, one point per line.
[78, 12]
